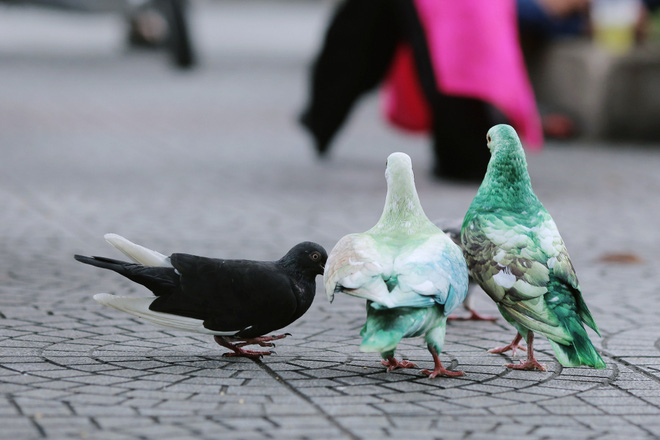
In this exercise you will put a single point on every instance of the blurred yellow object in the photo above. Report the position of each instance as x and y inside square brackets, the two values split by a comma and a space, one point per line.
[616, 40]
[614, 24]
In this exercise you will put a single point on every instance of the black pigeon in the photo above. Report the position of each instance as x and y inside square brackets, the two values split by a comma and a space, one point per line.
[237, 301]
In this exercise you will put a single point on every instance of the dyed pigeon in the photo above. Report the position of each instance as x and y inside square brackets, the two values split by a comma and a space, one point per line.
[411, 274]
[454, 232]
[515, 253]
[236, 301]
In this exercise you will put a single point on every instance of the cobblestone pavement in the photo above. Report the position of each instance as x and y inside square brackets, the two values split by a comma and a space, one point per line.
[98, 140]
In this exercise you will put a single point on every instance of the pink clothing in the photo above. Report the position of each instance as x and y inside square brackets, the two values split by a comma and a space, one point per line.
[475, 53]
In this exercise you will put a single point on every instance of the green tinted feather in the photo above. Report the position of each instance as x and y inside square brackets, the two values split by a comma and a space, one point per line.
[580, 351]
[384, 327]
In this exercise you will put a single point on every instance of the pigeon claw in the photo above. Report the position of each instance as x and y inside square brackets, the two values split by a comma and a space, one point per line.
[250, 354]
[261, 339]
[438, 369]
[529, 365]
[392, 364]
[442, 372]
[513, 346]
[238, 351]
[259, 343]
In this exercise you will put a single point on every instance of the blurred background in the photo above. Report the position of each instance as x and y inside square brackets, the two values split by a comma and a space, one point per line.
[180, 121]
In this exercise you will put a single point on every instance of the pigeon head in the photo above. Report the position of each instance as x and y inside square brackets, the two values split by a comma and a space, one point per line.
[307, 258]
[398, 168]
[507, 154]
[503, 138]
[507, 180]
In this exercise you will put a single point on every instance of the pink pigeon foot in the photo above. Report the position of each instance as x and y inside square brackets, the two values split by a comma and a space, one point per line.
[236, 344]
[531, 363]
[250, 354]
[262, 341]
[392, 364]
[513, 346]
[527, 365]
[439, 370]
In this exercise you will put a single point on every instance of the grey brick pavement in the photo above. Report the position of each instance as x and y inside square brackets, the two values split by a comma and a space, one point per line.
[97, 140]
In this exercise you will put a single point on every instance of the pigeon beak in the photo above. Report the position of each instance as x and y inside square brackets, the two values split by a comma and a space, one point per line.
[330, 295]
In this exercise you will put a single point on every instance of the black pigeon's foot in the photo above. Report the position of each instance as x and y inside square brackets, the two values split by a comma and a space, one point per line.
[236, 349]
[262, 341]
[236, 345]
[250, 354]
[474, 316]
[392, 364]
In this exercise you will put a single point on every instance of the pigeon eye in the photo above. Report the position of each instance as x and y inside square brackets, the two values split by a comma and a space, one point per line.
[488, 139]
[315, 256]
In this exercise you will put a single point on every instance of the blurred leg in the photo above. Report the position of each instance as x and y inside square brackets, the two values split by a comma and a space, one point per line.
[354, 57]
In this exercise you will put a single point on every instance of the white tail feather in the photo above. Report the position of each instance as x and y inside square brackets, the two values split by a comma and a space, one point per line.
[137, 253]
[140, 307]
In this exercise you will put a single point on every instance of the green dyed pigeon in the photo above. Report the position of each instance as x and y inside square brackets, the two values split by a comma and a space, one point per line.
[515, 253]
[454, 232]
[409, 271]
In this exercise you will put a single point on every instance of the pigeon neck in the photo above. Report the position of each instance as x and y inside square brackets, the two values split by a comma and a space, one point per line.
[292, 268]
[403, 210]
[303, 284]
[507, 183]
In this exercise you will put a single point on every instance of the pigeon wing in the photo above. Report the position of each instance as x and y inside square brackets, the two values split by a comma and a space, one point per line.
[421, 273]
[139, 307]
[249, 297]
[510, 261]
[434, 270]
[357, 267]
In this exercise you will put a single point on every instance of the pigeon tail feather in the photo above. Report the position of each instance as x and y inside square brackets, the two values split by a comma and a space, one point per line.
[139, 307]
[381, 341]
[585, 314]
[103, 263]
[580, 350]
[137, 253]
[160, 280]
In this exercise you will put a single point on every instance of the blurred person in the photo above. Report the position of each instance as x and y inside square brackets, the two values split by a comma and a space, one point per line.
[156, 24]
[451, 69]
[542, 22]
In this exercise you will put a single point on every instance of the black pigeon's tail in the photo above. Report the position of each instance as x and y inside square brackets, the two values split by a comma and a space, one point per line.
[160, 280]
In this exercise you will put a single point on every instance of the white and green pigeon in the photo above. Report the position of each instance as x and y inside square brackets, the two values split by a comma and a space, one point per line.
[514, 251]
[409, 271]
